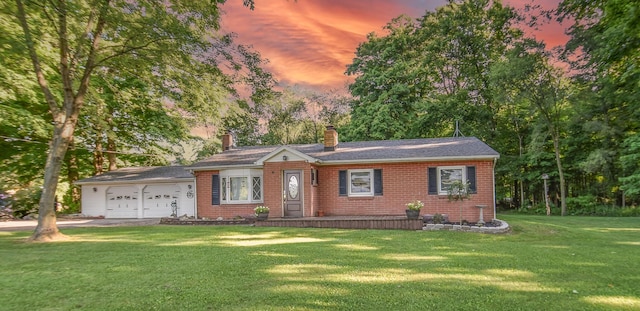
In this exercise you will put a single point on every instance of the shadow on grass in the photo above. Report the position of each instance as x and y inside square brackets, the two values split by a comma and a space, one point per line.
[545, 264]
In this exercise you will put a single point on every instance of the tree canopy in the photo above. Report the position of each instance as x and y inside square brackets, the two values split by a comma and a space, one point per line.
[117, 72]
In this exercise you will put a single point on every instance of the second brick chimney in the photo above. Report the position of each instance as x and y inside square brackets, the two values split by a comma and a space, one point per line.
[330, 139]
[227, 141]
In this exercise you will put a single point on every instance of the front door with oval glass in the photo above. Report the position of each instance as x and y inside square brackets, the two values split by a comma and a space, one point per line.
[293, 194]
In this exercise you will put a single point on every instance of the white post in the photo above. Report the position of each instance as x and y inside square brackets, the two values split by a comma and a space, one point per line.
[546, 193]
[481, 208]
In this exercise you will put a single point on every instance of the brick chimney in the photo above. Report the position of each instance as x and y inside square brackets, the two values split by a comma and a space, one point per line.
[227, 141]
[330, 139]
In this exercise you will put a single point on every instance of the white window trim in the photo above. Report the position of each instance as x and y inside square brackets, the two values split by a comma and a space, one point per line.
[249, 174]
[440, 168]
[361, 194]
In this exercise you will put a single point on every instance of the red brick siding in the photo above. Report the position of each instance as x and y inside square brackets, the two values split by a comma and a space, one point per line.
[402, 183]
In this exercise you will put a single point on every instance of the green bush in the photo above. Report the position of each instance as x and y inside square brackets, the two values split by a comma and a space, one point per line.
[70, 207]
[633, 211]
[582, 206]
[25, 201]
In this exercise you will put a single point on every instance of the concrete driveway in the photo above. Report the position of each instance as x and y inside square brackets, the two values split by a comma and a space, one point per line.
[29, 225]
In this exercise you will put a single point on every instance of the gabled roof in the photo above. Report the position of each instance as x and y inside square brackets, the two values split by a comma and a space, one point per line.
[381, 151]
[139, 174]
[283, 149]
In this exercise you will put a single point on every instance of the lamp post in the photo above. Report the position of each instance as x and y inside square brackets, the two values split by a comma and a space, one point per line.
[546, 193]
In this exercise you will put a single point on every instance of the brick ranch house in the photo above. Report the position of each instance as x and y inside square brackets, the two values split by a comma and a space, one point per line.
[346, 179]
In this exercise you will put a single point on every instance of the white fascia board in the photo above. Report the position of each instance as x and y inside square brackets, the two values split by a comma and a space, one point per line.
[407, 160]
[222, 167]
[285, 148]
[137, 181]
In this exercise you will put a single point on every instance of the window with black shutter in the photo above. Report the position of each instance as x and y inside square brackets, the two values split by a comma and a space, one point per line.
[215, 189]
[433, 180]
[439, 178]
[377, 182]
[360, 182]
[471, 178]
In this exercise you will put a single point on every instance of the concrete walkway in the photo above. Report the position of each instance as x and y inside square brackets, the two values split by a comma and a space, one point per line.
[29, 225]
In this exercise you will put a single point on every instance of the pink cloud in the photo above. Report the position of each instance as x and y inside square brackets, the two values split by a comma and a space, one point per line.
[311, 42]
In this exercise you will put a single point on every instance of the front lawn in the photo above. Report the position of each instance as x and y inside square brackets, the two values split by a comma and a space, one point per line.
[557, 263]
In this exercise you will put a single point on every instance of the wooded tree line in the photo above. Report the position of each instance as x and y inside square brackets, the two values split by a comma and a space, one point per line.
[571, 113]
[89, 86]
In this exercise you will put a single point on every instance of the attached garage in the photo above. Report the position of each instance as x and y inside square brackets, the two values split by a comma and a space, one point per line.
[139, 192]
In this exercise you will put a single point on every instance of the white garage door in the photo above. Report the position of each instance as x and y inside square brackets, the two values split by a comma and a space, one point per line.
[161, 201]
[122, 202]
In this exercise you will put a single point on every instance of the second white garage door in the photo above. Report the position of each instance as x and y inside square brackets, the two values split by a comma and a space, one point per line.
[161, 200]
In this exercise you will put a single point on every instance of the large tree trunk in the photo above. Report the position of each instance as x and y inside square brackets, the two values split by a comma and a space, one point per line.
[111, 154]
[98, 157]
[65, 116]
[47, 229]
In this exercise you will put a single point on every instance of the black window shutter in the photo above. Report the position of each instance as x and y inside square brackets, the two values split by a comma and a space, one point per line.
[215, 189]
[433, 180]
[471, 178]
[342, 179]
[377, 182]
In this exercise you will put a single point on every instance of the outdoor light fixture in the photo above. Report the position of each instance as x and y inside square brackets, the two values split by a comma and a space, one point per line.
[285, 158]
[95, 189]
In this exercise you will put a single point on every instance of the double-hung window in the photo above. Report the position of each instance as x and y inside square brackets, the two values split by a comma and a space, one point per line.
[441, 178]
[447, 175]
[360, 182]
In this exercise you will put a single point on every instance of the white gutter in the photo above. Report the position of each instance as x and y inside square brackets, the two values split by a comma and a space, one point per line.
[136, 181]
[224, 167]
[407, 160]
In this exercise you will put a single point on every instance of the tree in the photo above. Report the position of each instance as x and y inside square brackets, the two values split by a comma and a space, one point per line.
[385, 90]
[631, 164]
[94, 35]
[424, 75]
[604, 51]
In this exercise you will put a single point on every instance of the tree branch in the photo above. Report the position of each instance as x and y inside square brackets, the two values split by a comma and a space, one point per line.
[127, 50]
[42, 81]
[91, 59]
[65, 72]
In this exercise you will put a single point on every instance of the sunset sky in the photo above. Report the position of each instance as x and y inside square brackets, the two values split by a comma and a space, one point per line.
[310, 42]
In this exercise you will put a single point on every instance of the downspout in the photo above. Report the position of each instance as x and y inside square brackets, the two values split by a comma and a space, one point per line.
[493, 176]
[195, 195]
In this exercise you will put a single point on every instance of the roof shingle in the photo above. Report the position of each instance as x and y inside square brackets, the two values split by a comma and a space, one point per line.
[374, 151]
[134, 174]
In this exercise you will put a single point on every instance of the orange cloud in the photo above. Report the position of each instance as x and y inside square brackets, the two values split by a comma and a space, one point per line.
[310, 42]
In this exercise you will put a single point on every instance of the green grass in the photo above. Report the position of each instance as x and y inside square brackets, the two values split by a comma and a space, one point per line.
[568, 263]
